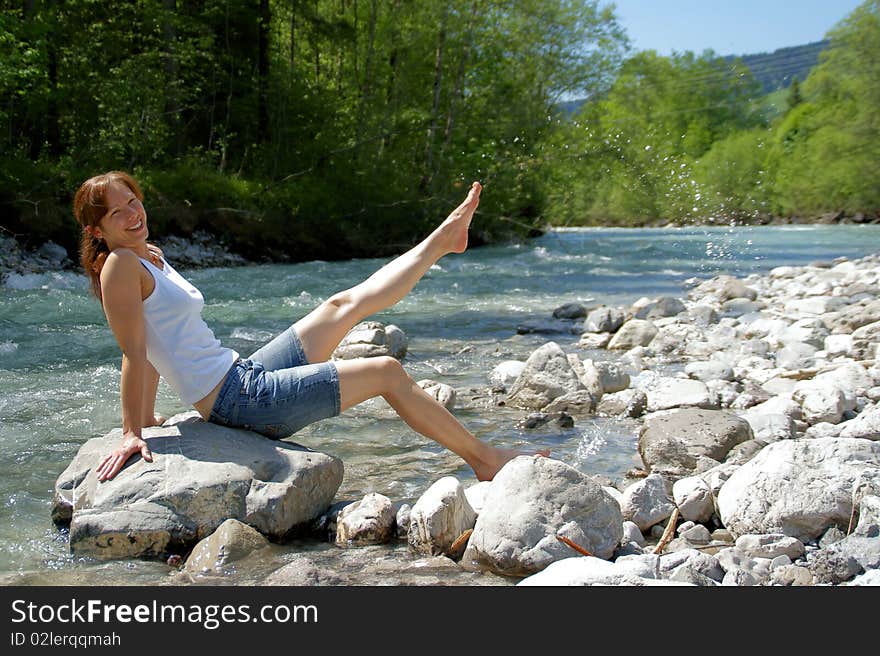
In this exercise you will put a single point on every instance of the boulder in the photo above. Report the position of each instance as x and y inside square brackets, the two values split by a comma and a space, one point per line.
[505, 373]
[401, 521]
[770, 546]
[666, 393]
[673, 442]
[628, 403]
[588, 374]
[589, 571]
[201, 475]
[439, 517]
[691, 559]
[646, 502]
[665, 306]
[370, 339]
[796, 355]
[547, 375]
[769, 494]
[635, 332]
[853, 317]
[577, 403]
[231, 542]
[865, 426]
[594, 340]
[703, 315]
[612, 377]
[769, 427]
[731, 288]
[604, 320]
[440, 392]
[694, 499]
[476, 495]
[368, 521]
[806, 331]
[862, 340]
[709, 370]
[532, 500]
[821, 401]
[570, 311]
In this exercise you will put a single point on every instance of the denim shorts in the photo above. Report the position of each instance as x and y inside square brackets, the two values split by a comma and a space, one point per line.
[275, 391]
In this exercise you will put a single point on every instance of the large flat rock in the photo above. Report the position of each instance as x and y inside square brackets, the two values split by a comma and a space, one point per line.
[201, 475]
[799, 488]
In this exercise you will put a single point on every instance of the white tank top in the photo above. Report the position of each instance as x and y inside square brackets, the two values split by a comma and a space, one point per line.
[179, 343]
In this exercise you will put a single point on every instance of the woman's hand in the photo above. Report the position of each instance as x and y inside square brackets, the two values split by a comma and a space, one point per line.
[113, 462]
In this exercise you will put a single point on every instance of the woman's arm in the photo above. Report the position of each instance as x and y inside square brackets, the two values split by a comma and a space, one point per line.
[121, 291]
[151, 386]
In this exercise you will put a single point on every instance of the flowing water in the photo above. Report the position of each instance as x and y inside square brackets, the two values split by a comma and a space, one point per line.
[59, 362]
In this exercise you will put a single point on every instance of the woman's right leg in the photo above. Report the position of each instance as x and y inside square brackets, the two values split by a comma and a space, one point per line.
[365, 378]
[321, 330]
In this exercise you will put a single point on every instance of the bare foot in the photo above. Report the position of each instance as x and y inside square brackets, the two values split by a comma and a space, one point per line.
[454, 230]
[500, 457]
[158, 420]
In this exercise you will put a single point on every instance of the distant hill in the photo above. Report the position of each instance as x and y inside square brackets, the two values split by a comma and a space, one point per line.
[774, 70]
[777, 69]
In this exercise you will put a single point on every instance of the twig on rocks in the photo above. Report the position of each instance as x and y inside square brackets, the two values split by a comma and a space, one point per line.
[573, 545]
[668, 533]
[460, 540]
[852, 517]
[803, 374]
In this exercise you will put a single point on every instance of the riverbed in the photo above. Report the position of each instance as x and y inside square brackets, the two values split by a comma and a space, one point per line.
[60, 363]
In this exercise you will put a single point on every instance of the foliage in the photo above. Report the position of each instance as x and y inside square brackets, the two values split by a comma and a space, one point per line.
[298, 128]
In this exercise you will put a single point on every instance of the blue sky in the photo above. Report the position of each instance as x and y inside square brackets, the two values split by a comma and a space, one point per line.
[731, 27]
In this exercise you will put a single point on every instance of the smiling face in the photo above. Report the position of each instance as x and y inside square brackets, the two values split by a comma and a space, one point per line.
[124, 225]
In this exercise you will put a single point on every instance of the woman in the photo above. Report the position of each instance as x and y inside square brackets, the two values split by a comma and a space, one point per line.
[155, 315]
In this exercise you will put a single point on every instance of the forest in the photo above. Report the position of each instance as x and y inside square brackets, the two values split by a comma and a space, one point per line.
[302, 129]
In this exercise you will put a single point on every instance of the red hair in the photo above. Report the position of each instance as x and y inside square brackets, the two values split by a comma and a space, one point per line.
[89, 207]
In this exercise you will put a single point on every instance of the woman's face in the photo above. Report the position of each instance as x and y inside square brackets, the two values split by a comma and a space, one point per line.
[125, 222]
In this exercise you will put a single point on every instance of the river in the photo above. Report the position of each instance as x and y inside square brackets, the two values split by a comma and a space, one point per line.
[60, 364]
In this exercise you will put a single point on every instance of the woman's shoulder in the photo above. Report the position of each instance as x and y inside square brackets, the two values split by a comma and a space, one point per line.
[121, 264]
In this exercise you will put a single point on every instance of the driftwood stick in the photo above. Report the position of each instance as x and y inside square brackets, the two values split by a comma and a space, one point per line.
[573, 545]
[803, 374]
[668, 533]
[852, 517]
[460, 540]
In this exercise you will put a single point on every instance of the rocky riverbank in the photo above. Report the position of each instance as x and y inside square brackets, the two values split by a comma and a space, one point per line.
[200, 250]
[758, 461]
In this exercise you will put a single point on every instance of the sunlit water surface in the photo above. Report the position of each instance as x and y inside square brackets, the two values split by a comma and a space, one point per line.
[60, 364]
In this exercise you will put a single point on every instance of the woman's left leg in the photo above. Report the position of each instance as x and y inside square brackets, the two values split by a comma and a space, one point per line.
[321, 330]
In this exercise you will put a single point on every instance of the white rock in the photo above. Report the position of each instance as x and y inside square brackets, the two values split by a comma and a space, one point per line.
[635, 332]
[441, 392]
[439, 517]
[547, 375]
[808, 331]
[588, 571]
[820, 401]
[505, 373]
[631, 533]
[768, 493]
[698, 534]
[770, 546]
[865, 426]
[693, 498]
[837, 345]
[646, 503]
[476, 495]
[368, 521]
[669, 393]
[710, 370]
[531, 501]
